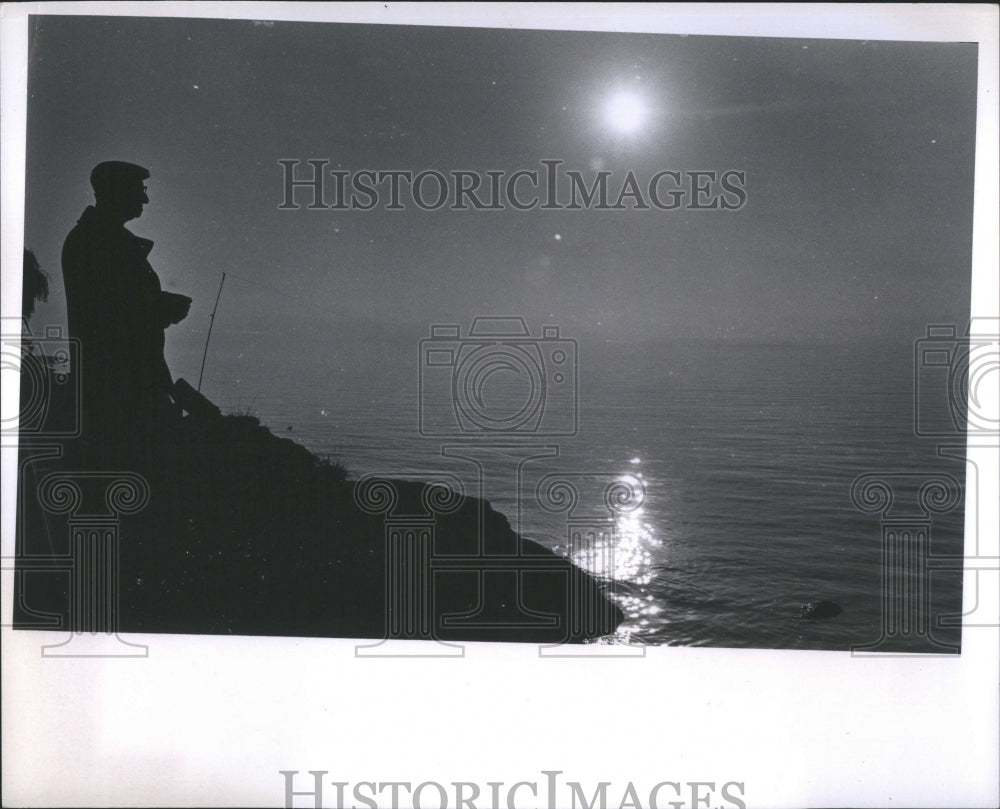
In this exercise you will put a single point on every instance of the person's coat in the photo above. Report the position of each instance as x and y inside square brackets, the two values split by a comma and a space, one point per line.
[117, 310]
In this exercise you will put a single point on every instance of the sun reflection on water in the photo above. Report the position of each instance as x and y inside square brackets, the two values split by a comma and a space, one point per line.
[623, 552]
[610, 537]
[623, 549]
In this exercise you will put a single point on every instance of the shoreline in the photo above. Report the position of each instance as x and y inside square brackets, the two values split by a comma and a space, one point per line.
[248, 533]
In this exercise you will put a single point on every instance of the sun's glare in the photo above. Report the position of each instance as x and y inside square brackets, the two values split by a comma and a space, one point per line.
[625, 112]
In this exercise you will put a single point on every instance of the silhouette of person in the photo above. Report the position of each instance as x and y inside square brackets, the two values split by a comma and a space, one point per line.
[34, 363]
[118, 311]
[34, 285]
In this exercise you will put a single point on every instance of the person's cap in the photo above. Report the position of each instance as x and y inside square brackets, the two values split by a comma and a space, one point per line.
[113, 174]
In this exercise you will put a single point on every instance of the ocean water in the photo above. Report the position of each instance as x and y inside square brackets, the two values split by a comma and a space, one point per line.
[739, 461]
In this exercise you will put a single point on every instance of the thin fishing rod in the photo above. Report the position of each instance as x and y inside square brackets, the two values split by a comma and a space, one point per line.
[211, 323]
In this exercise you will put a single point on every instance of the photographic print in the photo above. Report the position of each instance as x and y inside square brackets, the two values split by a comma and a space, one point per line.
[661, 293]
[422, 336]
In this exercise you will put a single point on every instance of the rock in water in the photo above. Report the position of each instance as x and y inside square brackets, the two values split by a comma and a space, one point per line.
[815, 610]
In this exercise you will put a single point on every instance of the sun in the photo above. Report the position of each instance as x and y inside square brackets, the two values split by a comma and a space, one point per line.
[625, 112]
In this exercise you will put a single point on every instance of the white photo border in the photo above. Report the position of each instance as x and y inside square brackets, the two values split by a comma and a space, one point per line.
[212, 720]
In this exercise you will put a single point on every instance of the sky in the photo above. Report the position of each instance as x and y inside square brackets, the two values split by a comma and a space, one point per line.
[858, 159]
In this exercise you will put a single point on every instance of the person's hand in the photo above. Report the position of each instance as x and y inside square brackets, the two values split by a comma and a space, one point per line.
[176, 306]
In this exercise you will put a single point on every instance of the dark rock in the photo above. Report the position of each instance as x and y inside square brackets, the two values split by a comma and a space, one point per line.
[816, 610]
[248, 533]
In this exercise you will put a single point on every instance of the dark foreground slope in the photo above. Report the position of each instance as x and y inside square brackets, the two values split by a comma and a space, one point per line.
[246, 533]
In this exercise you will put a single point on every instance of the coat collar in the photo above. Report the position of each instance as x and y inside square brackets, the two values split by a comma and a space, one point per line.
[91, 218]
